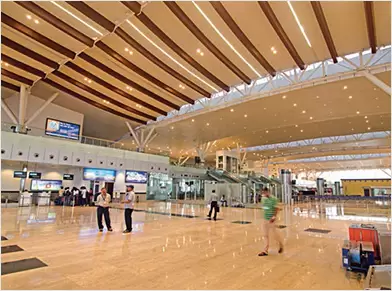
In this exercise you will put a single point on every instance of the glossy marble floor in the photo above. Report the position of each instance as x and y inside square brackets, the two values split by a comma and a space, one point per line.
[181, 252]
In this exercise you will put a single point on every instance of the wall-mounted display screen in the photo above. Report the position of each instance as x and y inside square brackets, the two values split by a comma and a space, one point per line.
[106, 175]
[136, 177]
[62, 129]
[34, 175]
[68, 177]
[20, 174]
[46, 185]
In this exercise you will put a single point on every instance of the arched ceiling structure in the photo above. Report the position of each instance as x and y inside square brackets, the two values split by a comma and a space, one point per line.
[135, 61]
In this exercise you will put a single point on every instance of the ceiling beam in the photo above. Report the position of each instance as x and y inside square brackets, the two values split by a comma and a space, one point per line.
[23, 29]
[109, 87]
[56, 22]
[10, 86]
[127, 81]
[142, 73]
[273, 20]
[22, 66]
[224, 14]
[173, 6]
[98, 94]
[132, 42]
[135, 7]
[16, 77]
[322, 21]
[370, 24]
[28, 52]
[87, 100]
[108, 25]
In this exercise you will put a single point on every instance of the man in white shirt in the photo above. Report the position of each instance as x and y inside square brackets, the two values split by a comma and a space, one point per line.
[84, 196]
[213, 205]
[103, 201]
[129, 204]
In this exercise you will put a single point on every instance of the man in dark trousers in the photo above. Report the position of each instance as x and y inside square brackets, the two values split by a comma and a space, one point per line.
[213, 205]
[129, 204]
[103, 201]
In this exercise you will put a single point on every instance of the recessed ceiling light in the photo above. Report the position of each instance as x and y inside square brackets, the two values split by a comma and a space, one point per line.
[345, 87]
[198, 50]
[296, 125]
[193, 120]
[131, 52]
[89, 81]
[352, 129]
[246, 115]
[265, 108]
[28, 17]
[36, 21]
[231, 110]
[266, 131]
[317, 97]
[303, 111]
[369, 128]
[350, 97]
[202, 54]
[208, 124]
[358, 112]
[367, 121]
[85, 79]
[295, 104]
[310, 117]
[126, 49]
[6, 64]
[366, 117]
[302, 130]
[284, 96]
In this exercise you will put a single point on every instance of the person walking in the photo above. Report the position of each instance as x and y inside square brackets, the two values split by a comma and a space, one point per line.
[129, 204]
[103, 201]
[83, 195]
[270, 206]
[213, 205]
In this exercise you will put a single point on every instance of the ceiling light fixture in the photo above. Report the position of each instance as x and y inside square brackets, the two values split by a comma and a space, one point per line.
[76, 17]
[350, 97]
[299, 24]
[284, 96]
[193, 120]
[181, 86]
[170, 57]
[295, 104]
[227, 42]
[358, 112]
[303, 111]
[28, 17]
[310, 117]
[208, 124]
[365, 117]
[231, 110]
[274, 51]
[246, 115]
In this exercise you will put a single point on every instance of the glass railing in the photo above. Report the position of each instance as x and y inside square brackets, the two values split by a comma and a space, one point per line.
[40, 132]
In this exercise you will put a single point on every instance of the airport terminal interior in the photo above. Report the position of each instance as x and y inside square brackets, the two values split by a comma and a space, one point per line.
[196, 145]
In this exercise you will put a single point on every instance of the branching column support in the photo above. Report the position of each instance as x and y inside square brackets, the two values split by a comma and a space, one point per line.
[140, 137]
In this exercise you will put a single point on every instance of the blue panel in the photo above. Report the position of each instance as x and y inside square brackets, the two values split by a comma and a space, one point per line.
[62, 129]
[136, 177]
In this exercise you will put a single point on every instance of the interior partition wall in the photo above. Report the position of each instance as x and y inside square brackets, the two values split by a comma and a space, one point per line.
[159, 187]
[188, 189]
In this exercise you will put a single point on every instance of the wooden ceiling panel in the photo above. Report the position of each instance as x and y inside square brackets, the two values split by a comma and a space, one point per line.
[115, 14]
[256, 27]
[139, 60]
[347, 24]
[19, 13]
[198, 19]
[13, 66]
[72, 21]
[382, 17]
[155, 51]
[188, 42]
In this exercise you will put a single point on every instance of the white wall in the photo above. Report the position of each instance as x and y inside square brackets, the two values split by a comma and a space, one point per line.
[9, 183]
[52, 111]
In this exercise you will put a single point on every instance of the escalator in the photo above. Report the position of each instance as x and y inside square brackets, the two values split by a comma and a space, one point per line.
[220, 176]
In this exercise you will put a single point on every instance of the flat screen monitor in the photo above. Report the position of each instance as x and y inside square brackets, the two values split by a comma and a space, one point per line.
[136, 177]
[20, 174]
[46, 185]
[34, 175]
[62, 129]
[68, 177]
[93, 174]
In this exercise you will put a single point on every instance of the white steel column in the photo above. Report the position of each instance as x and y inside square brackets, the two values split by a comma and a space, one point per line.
[377, 82]
[22, 105]
[135, 137]
[9, 112]
[30, 120]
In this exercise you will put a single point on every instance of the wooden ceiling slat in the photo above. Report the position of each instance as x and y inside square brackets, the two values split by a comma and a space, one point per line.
[97, 93]
[27, 52]
[136, 8]
[318, 11]
[10, 86]
[108, 86]
[224, 14]
[56, 22]
[89, 101]
[177, 11]
[16, 77]
[105, 23]
[273, 20]
[22, 66]
[142, 73]
[132, 42]
[370, 24]
[127, 81]
[9, 21]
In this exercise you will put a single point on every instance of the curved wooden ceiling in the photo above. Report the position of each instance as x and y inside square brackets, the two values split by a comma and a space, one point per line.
[145, 60]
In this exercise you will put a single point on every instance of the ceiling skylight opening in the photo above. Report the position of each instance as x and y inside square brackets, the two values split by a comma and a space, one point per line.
[170, 57]
[76, 17]
[225, 40]
[299, 24]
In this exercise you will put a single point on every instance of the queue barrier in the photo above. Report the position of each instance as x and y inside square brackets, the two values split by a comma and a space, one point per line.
[348, 198]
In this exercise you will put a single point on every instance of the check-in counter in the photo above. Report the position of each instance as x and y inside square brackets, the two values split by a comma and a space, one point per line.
[43, 199]
[25, 199]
